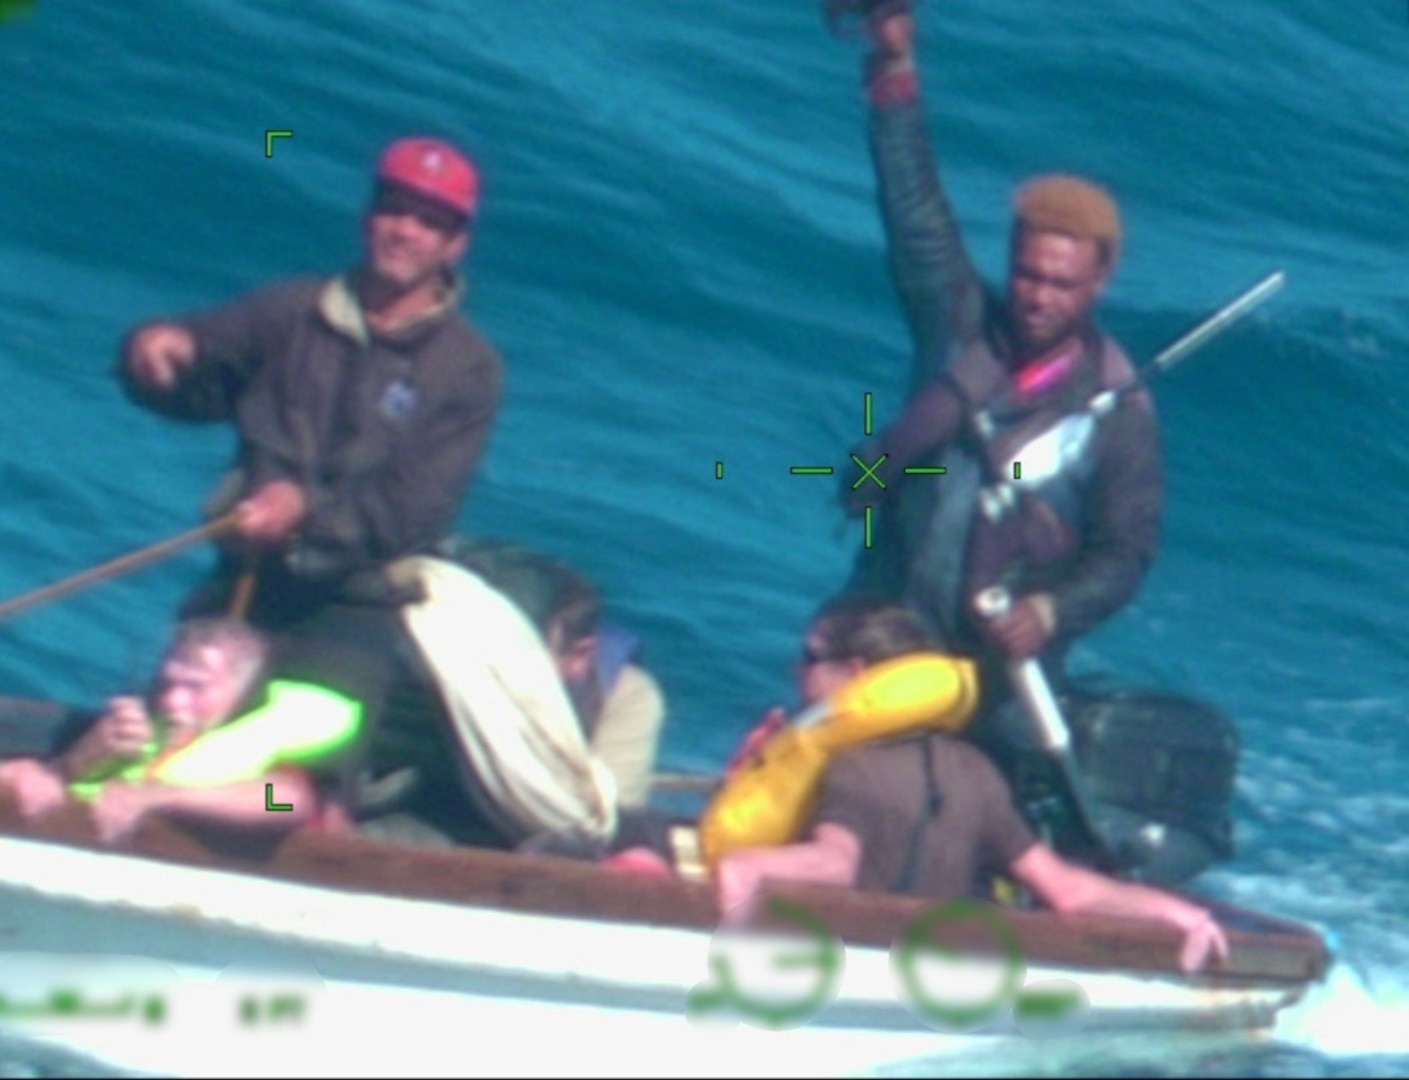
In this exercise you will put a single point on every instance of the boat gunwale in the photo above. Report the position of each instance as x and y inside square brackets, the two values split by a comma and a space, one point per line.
[1278, 951]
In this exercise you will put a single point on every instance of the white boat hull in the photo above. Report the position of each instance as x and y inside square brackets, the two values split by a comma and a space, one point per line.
[415, 987]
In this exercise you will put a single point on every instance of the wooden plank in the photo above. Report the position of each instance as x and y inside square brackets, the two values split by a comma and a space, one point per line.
[1266, 950]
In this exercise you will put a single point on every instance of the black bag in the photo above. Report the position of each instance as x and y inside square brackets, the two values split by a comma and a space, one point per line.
[1160, 770]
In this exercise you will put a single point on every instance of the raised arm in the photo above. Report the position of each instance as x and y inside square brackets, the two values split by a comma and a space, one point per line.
[940, 292]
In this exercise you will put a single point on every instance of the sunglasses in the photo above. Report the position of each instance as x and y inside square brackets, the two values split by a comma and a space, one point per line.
[397, 202]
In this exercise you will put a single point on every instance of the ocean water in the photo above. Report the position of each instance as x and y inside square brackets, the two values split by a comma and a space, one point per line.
[681, 263]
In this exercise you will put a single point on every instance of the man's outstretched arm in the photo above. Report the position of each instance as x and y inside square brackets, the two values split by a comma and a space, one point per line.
[1070, 888]
[194, 367]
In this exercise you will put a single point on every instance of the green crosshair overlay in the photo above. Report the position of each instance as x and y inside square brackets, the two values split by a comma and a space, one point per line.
[868, 471]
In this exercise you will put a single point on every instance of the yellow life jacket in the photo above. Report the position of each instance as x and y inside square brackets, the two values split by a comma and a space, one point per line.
[770, 797]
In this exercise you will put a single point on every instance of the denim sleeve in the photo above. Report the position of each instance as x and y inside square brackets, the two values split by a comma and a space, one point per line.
[940, 292]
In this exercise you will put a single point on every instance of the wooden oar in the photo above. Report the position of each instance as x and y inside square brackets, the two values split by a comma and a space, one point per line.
[124, 564]
[243, 593]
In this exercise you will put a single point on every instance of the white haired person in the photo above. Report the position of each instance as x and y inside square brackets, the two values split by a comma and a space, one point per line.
[203, 745]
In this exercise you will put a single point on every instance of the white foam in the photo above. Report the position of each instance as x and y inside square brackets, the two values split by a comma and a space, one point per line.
[1354, 1012]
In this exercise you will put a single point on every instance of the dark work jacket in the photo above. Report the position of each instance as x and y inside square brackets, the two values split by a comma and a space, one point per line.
[1087, 539]
[382, 431]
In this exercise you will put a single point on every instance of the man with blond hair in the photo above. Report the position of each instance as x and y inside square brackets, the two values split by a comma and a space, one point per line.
[990, 372]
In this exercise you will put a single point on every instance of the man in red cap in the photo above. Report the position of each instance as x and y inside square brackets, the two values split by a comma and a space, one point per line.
[363, 402]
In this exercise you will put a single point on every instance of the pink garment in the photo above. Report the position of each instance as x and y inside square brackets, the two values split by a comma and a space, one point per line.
[1037, 377]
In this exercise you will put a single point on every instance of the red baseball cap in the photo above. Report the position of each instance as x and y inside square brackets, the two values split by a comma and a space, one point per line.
[435, 169]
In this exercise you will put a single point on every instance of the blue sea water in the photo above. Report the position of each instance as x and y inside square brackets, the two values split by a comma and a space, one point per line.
[681, 263]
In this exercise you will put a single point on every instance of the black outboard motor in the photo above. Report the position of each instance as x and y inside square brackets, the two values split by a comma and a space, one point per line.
[1159, 769]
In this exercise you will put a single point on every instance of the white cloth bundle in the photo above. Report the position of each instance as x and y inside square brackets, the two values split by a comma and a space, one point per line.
[512, 718]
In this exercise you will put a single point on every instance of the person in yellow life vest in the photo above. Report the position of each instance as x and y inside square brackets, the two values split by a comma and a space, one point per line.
[845, 636]
[853, 632]
[922, 813]
[213, 734]
[927, 814]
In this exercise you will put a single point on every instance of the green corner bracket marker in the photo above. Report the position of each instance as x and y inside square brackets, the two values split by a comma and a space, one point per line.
[269, 137]
[270, 804]
[10, 9]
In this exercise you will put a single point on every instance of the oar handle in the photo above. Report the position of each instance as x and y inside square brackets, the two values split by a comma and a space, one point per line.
[1040, 704]
[124, 564]
[1027, 678]
[1219, 321]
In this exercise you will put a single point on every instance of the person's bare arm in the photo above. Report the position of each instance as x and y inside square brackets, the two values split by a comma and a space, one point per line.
[121, 808]
[36, 787]
[1073, 889]
[119, 735]
[831, 857]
